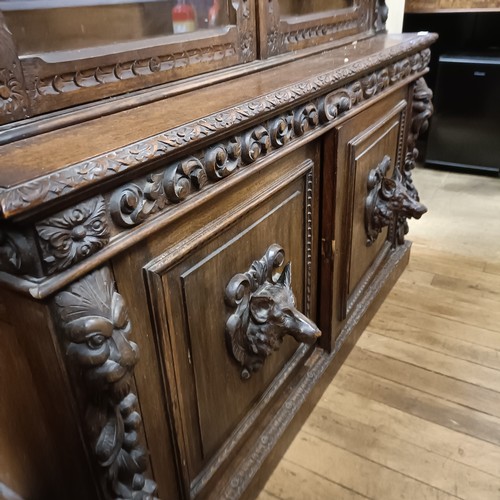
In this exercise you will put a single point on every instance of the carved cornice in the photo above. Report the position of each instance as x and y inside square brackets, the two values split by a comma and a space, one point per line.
[81, 175]
[94, 325]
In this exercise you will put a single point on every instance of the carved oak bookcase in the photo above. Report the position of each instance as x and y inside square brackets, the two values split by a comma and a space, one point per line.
[184, 267]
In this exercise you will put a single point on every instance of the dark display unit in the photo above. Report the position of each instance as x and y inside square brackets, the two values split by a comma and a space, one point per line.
[465, 130]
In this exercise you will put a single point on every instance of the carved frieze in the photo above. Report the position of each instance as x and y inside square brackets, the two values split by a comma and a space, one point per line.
[94, 325]
[73, 235]
[388, 200]
[263, 312]
[53, 185]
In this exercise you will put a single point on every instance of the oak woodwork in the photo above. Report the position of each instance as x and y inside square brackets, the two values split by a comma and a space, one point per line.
[421, 6]
[169, 226]
[264, 312]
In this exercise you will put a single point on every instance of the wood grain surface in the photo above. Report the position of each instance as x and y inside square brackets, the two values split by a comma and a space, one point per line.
[414, 411]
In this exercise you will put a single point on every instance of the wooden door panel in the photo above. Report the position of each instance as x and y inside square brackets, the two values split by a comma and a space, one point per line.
[214, 408]
[351, 152]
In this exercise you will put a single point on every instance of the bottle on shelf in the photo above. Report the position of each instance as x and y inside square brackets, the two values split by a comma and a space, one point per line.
[183, 17]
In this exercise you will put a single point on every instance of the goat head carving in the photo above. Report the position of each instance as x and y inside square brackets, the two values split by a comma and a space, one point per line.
[264, 312]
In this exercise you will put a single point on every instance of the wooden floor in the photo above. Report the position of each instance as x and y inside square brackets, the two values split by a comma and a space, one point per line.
[415, 411]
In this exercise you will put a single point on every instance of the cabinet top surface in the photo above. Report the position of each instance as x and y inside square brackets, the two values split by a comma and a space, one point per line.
[85, 153]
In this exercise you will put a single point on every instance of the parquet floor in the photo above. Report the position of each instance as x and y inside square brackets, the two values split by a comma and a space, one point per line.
[414, 413]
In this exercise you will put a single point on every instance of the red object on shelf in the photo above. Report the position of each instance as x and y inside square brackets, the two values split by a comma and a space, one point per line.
[183, 18]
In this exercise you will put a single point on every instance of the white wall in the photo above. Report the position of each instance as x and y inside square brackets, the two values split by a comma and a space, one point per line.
[396, 11]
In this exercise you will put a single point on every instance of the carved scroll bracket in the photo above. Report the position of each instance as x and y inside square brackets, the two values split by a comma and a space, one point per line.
[264, 312]
[387, 201]
[93, 320]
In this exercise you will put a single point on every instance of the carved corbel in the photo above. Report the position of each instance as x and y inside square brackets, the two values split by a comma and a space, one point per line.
[422, 110]
[93, 321]
[381, 15]
[388, 201]
[264, 312]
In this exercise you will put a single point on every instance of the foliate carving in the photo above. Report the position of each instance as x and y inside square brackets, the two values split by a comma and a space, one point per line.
[10, 253]
[422, 110]
[335, 103]
[264, 312]
[387, 201]
[95, 326]
[381, 15]
[12, 94]
[73, 235]
[83, 174]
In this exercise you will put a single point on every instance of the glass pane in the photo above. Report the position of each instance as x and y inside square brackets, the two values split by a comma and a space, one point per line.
[301, 7]
[54, 25]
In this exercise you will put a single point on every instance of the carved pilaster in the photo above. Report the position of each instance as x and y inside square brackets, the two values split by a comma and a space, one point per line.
[421, 112]
[94, 326]
[264, 312]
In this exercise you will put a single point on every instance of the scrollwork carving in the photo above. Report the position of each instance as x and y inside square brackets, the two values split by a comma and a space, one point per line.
[387, 201]
[132, 204]
[264, 312]
[181, 178]
[80, 175]
[74, 234]
[255, 143]
[95, 327]
[281, 130]
[222, 160]
[334, 104]
[305, 118]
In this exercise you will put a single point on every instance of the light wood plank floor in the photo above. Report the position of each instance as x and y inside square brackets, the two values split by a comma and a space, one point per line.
[414, 413]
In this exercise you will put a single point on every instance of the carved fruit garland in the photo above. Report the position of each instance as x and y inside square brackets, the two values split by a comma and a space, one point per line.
[94, 323]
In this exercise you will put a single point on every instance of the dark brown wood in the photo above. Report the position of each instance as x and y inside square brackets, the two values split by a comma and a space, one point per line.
[14, 102]
[171, 225]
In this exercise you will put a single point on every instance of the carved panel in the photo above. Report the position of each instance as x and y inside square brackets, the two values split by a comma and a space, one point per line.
[73, 235]
[264, 312]
[14, 103]
[387, 200]
[34, 192]
[93, 320]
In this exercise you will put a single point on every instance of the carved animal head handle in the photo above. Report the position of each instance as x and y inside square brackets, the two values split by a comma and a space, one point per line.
[388, 199]
[264, 312]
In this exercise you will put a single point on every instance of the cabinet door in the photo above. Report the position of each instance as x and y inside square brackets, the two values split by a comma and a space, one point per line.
[356, 152]
[216, 401]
